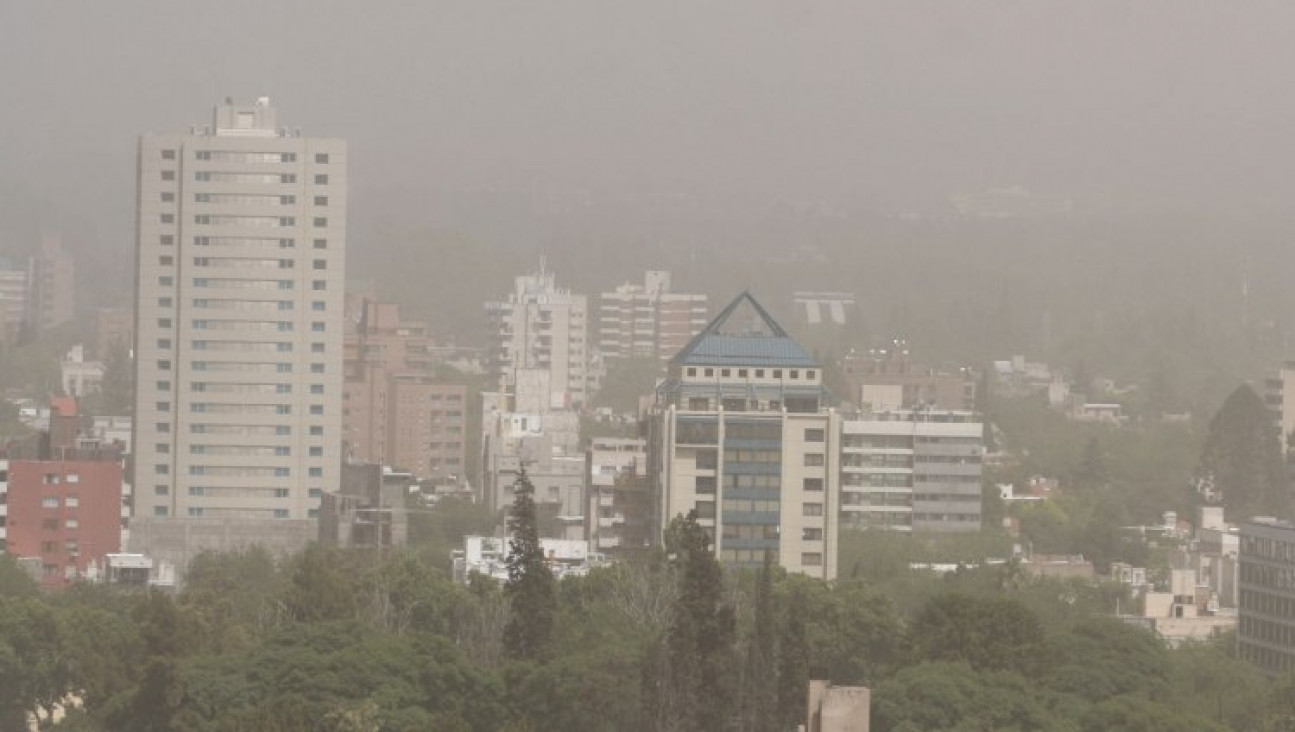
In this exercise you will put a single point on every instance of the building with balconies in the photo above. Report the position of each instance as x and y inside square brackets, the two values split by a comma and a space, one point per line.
[912, 470]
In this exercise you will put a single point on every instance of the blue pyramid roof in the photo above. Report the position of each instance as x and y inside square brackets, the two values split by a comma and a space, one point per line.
[744, 334]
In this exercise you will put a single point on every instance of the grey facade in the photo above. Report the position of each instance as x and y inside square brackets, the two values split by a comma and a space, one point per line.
[1266, 627]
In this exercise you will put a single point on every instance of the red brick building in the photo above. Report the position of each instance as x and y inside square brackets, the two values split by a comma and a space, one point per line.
[66, 512]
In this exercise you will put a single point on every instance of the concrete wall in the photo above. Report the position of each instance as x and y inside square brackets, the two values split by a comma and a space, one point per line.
[178, 541]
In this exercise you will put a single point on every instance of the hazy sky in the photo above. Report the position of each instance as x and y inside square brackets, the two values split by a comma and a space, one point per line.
[862, 106]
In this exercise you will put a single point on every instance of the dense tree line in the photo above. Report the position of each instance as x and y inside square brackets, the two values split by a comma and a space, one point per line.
[363, 640]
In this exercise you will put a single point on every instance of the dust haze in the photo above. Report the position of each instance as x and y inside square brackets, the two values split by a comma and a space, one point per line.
[714, 139]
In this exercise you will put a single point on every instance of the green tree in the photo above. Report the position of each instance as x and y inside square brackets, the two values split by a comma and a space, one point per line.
[701, 635]
[931, 697]
[117, 392]
[793, 664]
[1243, 456]
[319, 586]
[989, 633]
[1091, 471]
[760, 706]
[530, 585]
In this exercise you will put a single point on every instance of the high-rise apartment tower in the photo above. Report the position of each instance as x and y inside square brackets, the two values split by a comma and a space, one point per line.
[242, 242]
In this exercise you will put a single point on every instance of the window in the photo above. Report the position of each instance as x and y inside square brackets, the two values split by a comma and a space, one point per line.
[813, 484]
[164, 406]
[321, 179]
[49, 524]
[777, 373]
[161, 490]
[316, 347]
[316, 431]
[164, 302]
[741, 373]
[811, 559]
[795, 374]
[316, 451]
[708, 372]
[168, 155]
[813, 459]
[287, 200]
[809, 374]
[168, 175]
[163, 448]
[168, 197]
[161, 469]
[320, 221]
[318, 285]
[724, 372]
[321, 200]
[316, 388]
[168, 218]
[72, 501]
[317, 409]
[321, 243]
[49, 502]
[281, 513]
[706, 484]
[164, 344]
[160, 511]
[168, 240]
[810, 534]
[165, 281]
[812, 509]
[195, 511]
[164, 322]
[319, 264]
[316, 368]
[813, 434]
[321, 158]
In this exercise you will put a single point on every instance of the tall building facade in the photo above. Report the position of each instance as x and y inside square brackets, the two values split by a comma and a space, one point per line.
[394, 411]
[648, 320]
[1266, 623]
[52, 293]
[742, 435]
[241, 248]
[542, 328]
[909, 470]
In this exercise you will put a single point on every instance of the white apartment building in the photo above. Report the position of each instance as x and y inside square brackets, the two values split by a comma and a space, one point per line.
[241, 250]
[912, 470]
[648, 320]
[540, 327]
[743, 436]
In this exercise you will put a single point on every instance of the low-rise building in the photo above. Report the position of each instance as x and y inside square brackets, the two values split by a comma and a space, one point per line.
[369, 509]
[488, 556]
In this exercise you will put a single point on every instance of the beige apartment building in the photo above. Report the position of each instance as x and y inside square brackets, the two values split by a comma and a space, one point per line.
[394, 411]
[648, 320]
[242, 244]
[743, 436]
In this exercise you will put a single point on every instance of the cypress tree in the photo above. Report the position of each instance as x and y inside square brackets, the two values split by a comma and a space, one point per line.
[1242, 456]
[761, 686]
[530, 588]
[793, 665]
[700, 640]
